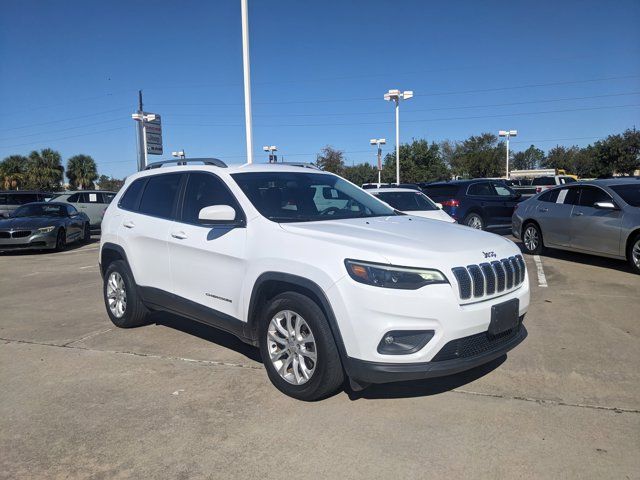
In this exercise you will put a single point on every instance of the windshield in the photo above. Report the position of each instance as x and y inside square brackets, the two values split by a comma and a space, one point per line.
[407, 201]
[630, 193]
[307, 197]
[40, 210]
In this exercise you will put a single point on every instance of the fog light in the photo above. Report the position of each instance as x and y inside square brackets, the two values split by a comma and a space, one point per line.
[403, 342]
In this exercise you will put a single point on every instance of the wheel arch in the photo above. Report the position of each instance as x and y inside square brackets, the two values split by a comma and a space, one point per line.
[270, 284]
[528, 221]
[630, 238]
[110, 253]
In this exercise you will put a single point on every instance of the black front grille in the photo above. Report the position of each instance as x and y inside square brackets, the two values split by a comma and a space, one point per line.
[21, 233]
[490, 278]
[474, 345]
[5, 235]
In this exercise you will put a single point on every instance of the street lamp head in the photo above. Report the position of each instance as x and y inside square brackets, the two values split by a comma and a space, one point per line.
[503, 133]
[137, 116]
[407, 94]
[513, 133]
[373, 141]
[382, 141]
[273, 148]
[265, 148]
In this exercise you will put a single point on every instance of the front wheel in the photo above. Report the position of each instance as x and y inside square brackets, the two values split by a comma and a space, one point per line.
[532, 239]
[474, 220]
[298, 349]
[124, 305]
[61, 240]
[633, 254]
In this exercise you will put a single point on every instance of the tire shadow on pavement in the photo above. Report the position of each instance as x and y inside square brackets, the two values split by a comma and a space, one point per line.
[425, 387]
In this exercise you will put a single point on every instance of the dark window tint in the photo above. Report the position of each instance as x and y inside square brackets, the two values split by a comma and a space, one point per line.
[90, 197]
[441, 191]
[482, 188]
[564, 180]
[21, 198]
[75, 198]
[591, 195]
[407, 201]
[549, 196]
[131, 197]
[544, 181]
[158, 198]
[40, 210]
[630, 193]
[204, 190]
[108, 197]
[71, 210]
[568, 196]
[3, 199]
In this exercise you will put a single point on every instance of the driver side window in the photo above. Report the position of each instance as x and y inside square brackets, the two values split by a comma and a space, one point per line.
[204, 190]
[71, 210]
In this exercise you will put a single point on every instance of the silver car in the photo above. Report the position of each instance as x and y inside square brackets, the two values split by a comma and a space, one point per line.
[92, 202]
[599, 217]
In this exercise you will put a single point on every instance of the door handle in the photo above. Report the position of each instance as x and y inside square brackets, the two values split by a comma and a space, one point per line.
[179, 235]
[578, 214]
[128, 224]
[543, 209]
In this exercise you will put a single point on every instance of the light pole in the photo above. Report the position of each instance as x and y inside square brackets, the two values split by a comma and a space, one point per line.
[143, 118]
[377, 142]
[246, 67]
[179, 154]
[396, 96]
[508, 134]
[272, 157]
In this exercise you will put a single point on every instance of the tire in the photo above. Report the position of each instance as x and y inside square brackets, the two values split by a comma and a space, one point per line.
[61, 240]
[86, 236]
[133, 312]
[633, 254]
[532, 239]
[474, 220]
[320, 355]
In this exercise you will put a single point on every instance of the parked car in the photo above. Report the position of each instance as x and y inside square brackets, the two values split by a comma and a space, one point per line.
[349, 288]
[521, 186]
[479, 203]
[12, 199]
[43, 225]
[92, 202]
[544, 183]
[600, 217]
[412, 202]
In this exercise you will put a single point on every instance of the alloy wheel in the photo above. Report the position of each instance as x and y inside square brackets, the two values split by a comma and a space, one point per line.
[116, 295]
[531, 238]
[475, 222]
[292, 347]
[635, 253]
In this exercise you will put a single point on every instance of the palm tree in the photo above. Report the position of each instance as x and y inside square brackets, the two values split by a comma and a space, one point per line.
[13, 172]
[81, 171]
[44, 170]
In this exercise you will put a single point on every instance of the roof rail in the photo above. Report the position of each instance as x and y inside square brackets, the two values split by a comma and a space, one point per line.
[183, 161]
[298, 164]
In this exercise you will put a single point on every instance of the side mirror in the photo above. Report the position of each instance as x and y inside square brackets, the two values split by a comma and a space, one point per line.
[217, 214]
[439, 205]
[605, 205]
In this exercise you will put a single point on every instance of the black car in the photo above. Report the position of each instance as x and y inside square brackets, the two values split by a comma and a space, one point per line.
[480, 203]
[12, 199]
[43, 225]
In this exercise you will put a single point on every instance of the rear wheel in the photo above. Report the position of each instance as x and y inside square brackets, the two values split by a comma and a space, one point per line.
[124, 305]
[474, 220]
[532, 239]
[61, 240]
[298, 349]
[633, 254]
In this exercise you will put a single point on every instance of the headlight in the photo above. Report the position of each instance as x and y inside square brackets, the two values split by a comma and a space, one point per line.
[389, 276]
[46, 229]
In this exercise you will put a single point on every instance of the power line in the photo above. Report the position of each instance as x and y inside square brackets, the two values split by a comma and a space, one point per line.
[96, 114]
[62, 129]
[63, 138]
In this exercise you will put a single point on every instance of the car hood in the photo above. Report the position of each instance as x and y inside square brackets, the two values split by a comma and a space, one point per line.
[409, 240]
[433, 214]
[27, 223]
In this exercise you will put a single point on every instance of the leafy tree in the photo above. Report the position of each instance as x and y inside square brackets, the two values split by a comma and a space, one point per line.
[110, 183]
[419, 162]
[479, 156]
[13, 172]
[361, 173]
[561, 157]
[331, 160]
[81, 172]
[531, 158]
[44, 170]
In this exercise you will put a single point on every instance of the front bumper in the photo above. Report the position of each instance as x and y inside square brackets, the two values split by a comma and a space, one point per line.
[380, 372]
[36, 241]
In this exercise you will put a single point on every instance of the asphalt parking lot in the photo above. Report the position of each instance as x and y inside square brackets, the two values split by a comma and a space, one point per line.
[83, 399]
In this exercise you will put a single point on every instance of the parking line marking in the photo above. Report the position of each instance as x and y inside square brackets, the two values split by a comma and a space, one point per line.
[88, 266]
[542, 280]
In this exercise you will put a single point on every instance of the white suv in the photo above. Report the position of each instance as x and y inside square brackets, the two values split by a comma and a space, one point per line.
[324, 278]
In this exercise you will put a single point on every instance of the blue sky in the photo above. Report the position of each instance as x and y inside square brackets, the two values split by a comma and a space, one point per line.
[559, 72]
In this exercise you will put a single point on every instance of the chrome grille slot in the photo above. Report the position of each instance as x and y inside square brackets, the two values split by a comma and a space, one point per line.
[476, 281]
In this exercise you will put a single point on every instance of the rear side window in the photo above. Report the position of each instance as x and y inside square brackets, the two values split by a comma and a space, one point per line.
[75, 198]
[549, 196]
[564, 180]
[107, 197]
[89, 197]
[131, 197]
[159, 196]
[21, 198]
[591, 195]
[568, 196]
[447, 191]
[481, 189]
